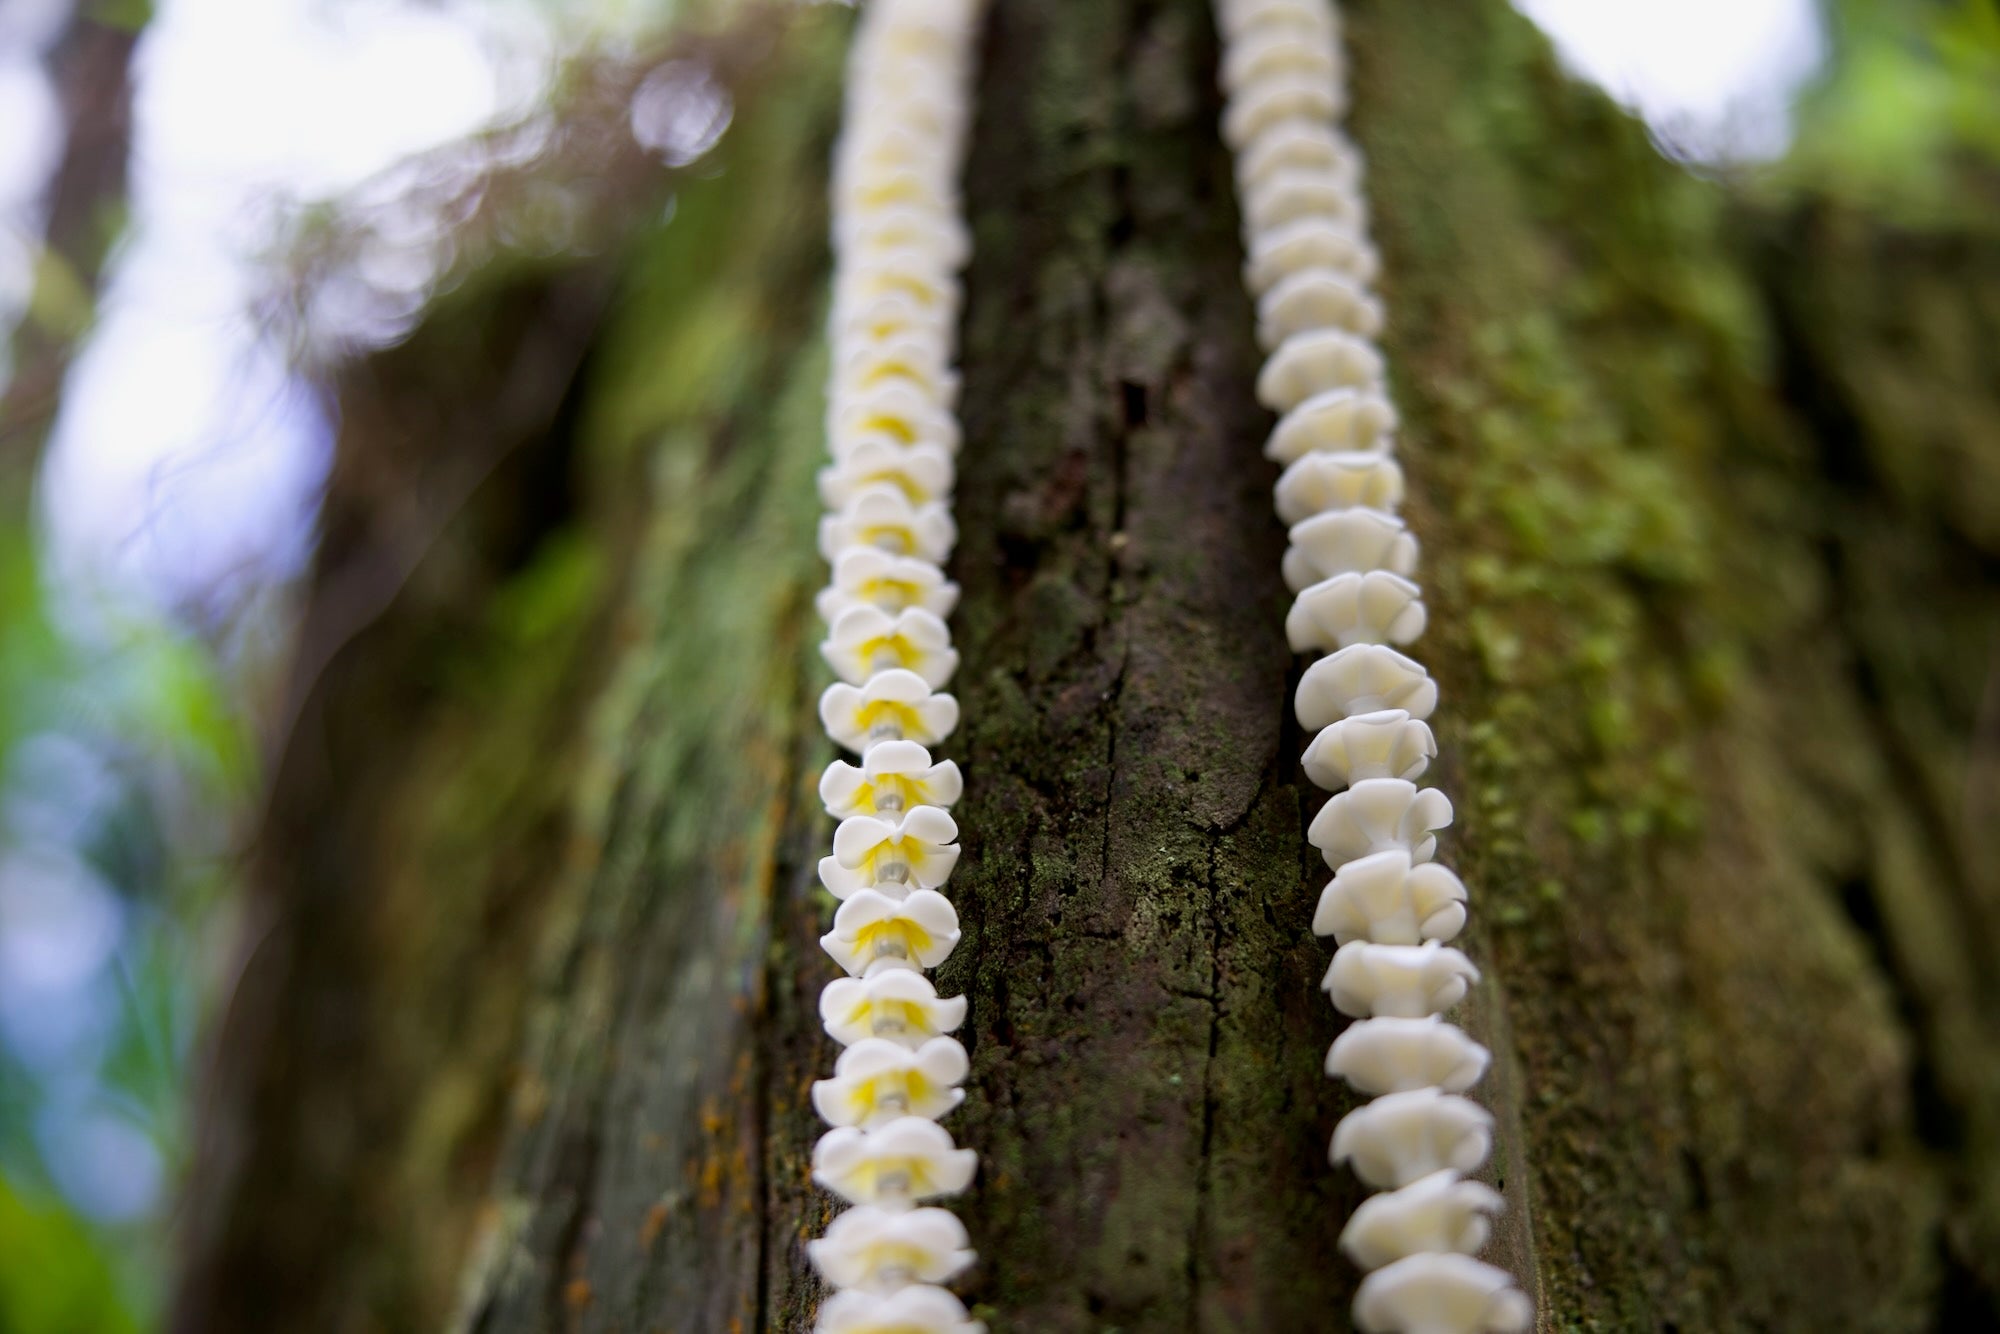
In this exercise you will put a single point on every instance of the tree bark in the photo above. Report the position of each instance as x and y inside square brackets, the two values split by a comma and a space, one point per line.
[1710, 536]
[90, 68]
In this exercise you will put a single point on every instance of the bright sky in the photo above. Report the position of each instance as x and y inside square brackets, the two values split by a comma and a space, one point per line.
[1714, 78]
[185, 457]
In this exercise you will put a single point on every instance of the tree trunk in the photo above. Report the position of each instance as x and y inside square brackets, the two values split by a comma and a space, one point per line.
[90, 67]
[1709, 515]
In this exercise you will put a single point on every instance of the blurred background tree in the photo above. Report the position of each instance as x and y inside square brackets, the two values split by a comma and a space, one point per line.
[406, 914]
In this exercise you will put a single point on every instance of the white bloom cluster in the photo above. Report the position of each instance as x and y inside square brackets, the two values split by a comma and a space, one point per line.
[899, 241]
[1391, 909]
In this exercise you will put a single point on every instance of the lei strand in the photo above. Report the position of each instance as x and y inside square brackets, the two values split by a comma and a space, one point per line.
[1390, 908]
[899, 241]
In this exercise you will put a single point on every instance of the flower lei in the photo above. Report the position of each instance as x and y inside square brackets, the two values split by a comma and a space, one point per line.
[899, 241]
[1390, 908]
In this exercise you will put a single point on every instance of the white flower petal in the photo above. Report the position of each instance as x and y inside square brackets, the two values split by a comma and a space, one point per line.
[1373, 608]
[1272, 52]
[1317, 482]
[866, 640]
[1343, 420]
[876, 1081]
[893, 1165]
[1441, 1212]
[916, 1309]
[1299, 144]
[872, 577]
[1313, 363]
[1400, 1137]
[878, 929]
[1305, 244]
[1441, 1294]
[1298, 94]
[1394, 1055]
[892, 776]
[896, 706]
[1386, 899]
[921, 472]
[1387, 744]
[893, 408]
[882, 516]
[1292, 194]
[1363, 678]
[882, 1249]
[1349, 541]
[1366, 980]
[1316, 299]
[1377, 814]
[898, 1005]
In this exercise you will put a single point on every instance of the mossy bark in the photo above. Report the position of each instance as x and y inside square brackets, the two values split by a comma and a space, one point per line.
[1711, 571]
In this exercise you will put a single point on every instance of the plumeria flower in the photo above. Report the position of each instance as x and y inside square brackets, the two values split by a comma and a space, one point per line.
[1304, 245]
[1441, 1212]
[895, 705]
[894, 187]
[891, 315]
[1295, 95]
[912, 1310]
[875, 930]
[1314, 363]
[1307, 19]
[1384, 898]
[1318, 482]
[1292, 193]
[1400, 1137]
[876, 1081]
[1372, 608]
[911, 849]
[921, 472]
[1387, 744]
[865, 640]
[893, 776]
[1432, 1294]
[872, 577]
[895, 409]
[1366, 980]
[892, 148]
[1363, 678]
[1377, 814]
[880, 1250]
[1316, 299]
[1390, 1055]
[1349, 541]
[899, 1005]
[894, 1165]
[930, 43]
[1338, 420]
[924, 104]
[882, 516]
[909, 270]
[900, 358]
[1299, 145]
[1260, 56]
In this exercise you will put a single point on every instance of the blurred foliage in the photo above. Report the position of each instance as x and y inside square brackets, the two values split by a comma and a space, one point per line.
[1906, 121]
[123, 764]
[54, 1277]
